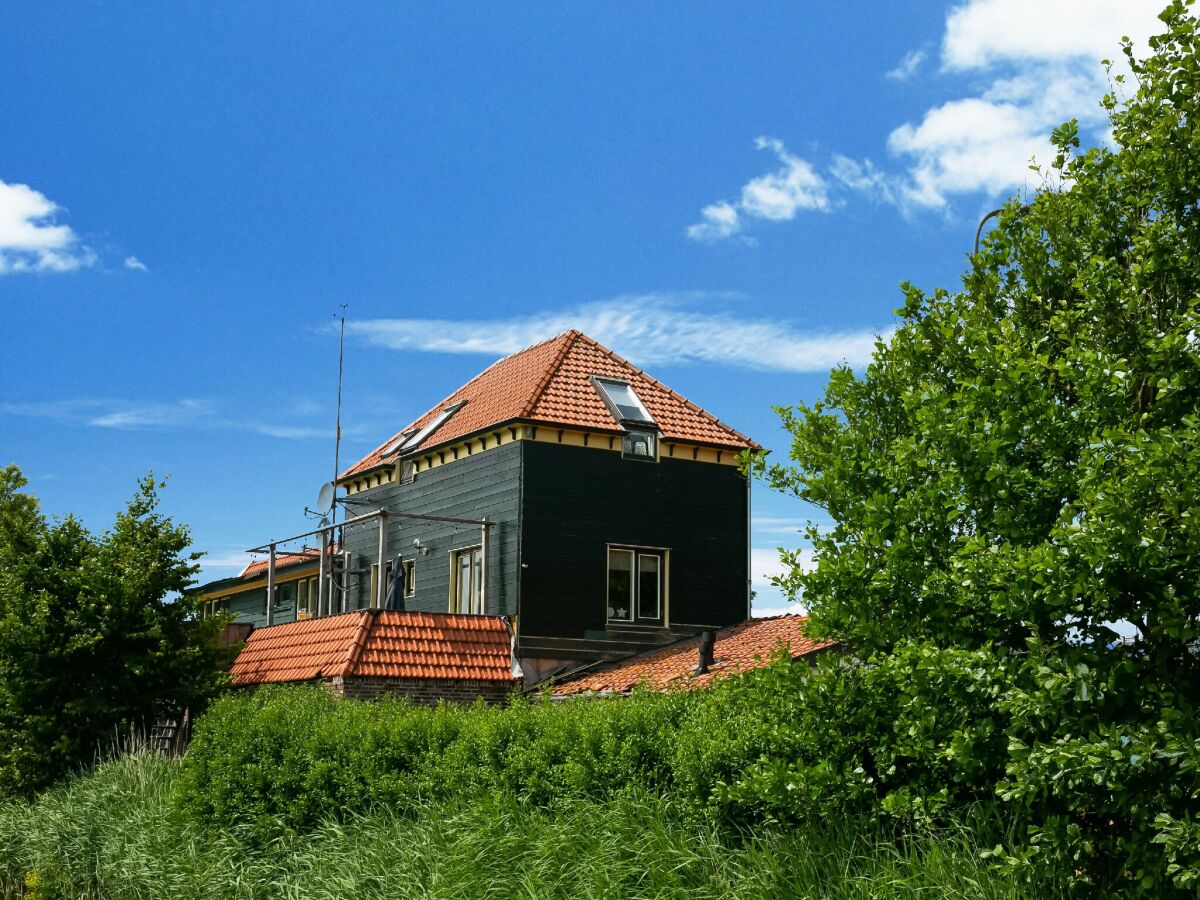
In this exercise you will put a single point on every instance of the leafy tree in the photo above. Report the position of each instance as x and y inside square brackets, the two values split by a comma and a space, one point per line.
[96, 634]
[1019, 468]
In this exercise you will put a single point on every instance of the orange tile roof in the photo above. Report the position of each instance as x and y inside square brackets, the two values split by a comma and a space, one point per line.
[282, 561]
[739, 648]
[551, 383]
[378, 643]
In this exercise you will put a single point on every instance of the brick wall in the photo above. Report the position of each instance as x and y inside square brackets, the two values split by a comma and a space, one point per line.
[421, 690]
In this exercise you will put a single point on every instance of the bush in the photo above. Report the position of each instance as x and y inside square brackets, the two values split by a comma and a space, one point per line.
[296, 755]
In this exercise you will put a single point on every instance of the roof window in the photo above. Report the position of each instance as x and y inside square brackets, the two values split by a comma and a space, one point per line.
[622, 402]
[414, 437]
[405, 437]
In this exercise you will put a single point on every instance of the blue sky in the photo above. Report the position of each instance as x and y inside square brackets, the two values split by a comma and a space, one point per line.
[728, 195]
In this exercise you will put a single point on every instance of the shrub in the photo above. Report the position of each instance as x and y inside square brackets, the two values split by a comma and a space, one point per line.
[296, 755]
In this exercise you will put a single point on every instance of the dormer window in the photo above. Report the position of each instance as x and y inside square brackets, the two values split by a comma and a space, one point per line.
[639, 445]
[622, 402]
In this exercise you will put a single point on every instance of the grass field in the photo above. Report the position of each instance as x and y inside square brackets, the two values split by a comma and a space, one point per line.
[117, 832]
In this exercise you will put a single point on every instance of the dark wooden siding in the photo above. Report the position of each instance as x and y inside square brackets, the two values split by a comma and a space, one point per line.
[250, 606]
[578, 500]
[484, 485]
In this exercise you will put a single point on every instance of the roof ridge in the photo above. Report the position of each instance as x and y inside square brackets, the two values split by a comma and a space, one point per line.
[678, 396]
[572, 335]
[357, 643]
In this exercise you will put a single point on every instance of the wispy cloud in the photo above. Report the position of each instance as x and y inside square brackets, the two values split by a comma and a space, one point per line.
[31, 240]
[776, 197]
[155, 415]
[134, 264]
[907, 67]
[651, 329]
[176, 415]
[761, 524]
[232, 559]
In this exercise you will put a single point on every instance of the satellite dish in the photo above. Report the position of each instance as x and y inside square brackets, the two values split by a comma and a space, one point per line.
[326, 497]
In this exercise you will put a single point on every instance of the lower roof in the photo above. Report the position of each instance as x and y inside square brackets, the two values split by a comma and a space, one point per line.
[378, 644]
[738, 648]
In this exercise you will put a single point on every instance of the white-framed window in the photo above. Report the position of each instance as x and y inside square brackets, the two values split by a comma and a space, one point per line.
[410, 577]
[373, 602]
[466, 580]
[640, 445]
[636, 584]
[306, 598]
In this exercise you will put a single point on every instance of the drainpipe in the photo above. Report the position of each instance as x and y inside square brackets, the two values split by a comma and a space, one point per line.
[381, 581]
[749, 554]
[322, 593]
[483, 566]
[271, 588]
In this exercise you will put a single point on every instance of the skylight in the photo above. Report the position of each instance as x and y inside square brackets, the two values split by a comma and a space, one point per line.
[622, 400]
[414, 437]
[405, 436]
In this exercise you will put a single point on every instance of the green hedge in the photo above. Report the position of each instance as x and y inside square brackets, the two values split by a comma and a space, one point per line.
[297, 755]
[789, 742]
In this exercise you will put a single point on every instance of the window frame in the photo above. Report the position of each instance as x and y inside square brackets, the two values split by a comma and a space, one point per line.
[410, 576]
[651, 436]
[476, 600]
[373, 600]
[599, 382]
[663, 555]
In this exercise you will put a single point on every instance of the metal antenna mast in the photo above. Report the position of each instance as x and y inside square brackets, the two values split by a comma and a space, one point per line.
[337, 444]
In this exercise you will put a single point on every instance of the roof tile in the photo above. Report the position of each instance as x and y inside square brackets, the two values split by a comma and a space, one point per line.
[378, 643]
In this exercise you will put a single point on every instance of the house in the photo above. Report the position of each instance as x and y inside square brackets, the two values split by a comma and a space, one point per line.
[371, 653]
[694, 663]
[245, 594]
[563, 488]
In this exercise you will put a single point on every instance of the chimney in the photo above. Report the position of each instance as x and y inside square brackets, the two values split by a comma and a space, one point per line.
[708, 640]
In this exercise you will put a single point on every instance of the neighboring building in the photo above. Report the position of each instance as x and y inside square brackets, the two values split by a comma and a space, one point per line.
[615, 513]
[245, 595]
[740, 648]
[372, 653]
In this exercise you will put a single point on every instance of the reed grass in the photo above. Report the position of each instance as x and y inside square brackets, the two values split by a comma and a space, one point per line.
[119, 832]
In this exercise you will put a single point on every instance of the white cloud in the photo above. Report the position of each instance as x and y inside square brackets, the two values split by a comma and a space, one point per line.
[1020, 67]
[778, 525]
[293, 432]
[980, 33]
[864, 177]
[135, 264]
[652, 329]
[233, 559]
[765, 564]
[907, 67]
[186, 414]
[30, 238]
[720, 220]
[1040, 64]
[776, 197]
[154, 415]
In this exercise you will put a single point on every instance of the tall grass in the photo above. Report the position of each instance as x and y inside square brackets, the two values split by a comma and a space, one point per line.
[118, 833]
